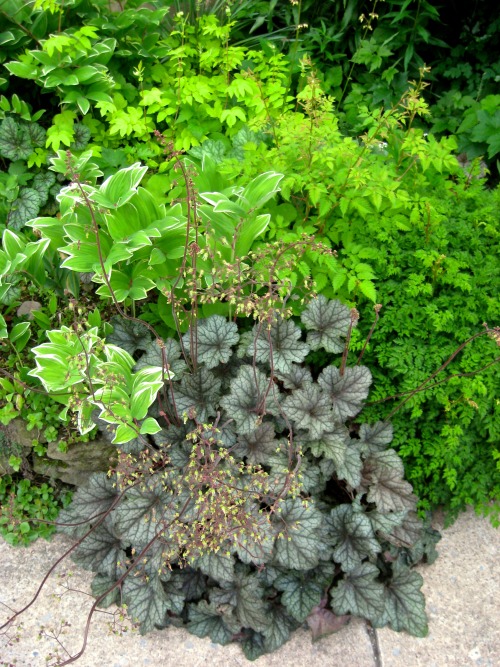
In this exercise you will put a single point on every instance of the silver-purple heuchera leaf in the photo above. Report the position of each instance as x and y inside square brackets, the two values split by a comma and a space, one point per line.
[215, 338]
[347, 392]
[279, 346]
[327, 323]
[311, 409]
[246, 401]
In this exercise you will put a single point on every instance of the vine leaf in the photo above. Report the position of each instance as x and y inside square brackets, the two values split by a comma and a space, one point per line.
[405, 603]
[215, 337]
[88, 505]
[146, 601]
[198, 391]
[24, 208]
[210, 620]
[327, 323]
[243, 403]
[311, 409]
[286, 346]
[257, 445]
[347, 392]
[360, 593]
[131, 336]
[352, 536]
[298, 528]
[383, 473]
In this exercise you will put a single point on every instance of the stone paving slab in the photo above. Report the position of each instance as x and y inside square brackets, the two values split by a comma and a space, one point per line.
[463, 602]
[462, 591]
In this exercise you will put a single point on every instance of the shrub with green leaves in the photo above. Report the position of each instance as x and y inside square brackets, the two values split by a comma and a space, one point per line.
[28, 511]
[259, 502]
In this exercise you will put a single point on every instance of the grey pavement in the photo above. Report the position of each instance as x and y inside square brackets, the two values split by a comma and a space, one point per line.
[462, 589]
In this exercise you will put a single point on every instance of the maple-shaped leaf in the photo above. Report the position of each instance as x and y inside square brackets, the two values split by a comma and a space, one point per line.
[199, 392]
[332, 444]
[359, 593]
[166, 355]
[15, 142]
[323, 622]
[218, 623]
[383, 474]
[146, 601]
[257, 445]
[405, 603]
[352, 536]
[376, 437]
[88, 505]
[245, 401]
[278, 629]
[417, 538]
[214, 340]
[311, 409]
[131, 336]
[298, 525]
[402, 533]
[24, 208]
[281, 343]
[101, 551]
[143, 513]
[301, 591]
[347, 392]
[327, 323]
[296, 377]
[218, 566]
[246, 595]
[101, 583]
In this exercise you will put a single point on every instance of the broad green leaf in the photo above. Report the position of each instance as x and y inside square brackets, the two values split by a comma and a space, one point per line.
[118, 189]
[146, 384]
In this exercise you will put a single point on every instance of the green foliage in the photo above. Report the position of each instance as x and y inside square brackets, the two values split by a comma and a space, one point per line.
[28, 511]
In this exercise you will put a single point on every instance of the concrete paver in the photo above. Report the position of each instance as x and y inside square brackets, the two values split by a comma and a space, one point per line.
[462, 589]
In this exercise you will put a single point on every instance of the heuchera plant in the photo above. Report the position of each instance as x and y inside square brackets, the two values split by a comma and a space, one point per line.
[260, 505]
